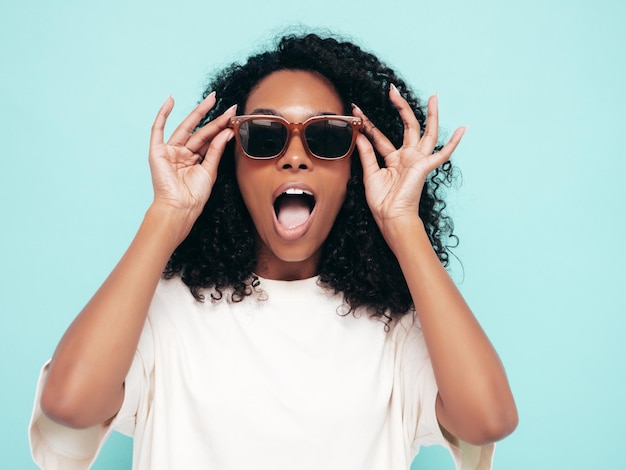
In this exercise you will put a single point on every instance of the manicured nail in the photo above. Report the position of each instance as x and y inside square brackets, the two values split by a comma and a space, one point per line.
[356, 108]
[393, 87]
[212, 94]
[232, 109]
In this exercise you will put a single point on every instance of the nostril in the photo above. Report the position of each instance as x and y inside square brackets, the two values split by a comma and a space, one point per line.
[301, 166]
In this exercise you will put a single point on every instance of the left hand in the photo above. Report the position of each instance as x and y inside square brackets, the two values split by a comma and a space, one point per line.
[394, 192]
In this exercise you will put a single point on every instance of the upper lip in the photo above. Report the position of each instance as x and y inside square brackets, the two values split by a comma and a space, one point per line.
[293, 188]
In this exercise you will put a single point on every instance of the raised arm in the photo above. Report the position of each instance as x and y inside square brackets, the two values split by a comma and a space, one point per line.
[85, 383]
[475, 402]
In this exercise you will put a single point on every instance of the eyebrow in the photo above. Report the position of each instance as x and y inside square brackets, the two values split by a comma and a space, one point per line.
[274, 112]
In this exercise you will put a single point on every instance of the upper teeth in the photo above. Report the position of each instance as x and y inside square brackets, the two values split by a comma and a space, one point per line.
[298, 191]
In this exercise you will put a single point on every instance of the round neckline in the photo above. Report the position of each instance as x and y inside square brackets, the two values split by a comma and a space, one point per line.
[281, 291]
[306, 280]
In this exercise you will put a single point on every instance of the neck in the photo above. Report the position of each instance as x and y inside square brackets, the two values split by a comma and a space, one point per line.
[269, 266]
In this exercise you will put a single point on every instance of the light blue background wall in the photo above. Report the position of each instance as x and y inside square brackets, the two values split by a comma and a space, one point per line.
[540, 212]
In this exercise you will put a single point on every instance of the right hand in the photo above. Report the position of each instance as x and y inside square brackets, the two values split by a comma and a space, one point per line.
[185, 168]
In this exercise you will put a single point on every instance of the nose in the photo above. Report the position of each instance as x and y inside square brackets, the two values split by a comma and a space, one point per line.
[296, 156]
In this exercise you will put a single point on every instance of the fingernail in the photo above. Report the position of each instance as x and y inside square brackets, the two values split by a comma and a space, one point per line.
[230, 135]
[393, 87]
[212, 94]
[233, 108]
[356, 108]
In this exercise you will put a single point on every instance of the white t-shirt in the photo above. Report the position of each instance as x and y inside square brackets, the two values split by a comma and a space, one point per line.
[287, 381]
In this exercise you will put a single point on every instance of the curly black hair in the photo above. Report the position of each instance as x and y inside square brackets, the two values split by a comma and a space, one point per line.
[219, 252]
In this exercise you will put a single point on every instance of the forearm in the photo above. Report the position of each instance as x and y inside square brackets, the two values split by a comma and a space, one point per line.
[475, 401]
[86, 376]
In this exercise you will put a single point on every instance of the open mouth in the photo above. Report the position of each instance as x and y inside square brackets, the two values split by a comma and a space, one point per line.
[293, 207]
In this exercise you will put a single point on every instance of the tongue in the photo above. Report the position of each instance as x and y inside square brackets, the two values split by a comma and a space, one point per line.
[292, 212]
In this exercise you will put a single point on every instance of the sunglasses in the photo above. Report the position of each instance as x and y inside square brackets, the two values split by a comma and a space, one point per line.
[262, 136]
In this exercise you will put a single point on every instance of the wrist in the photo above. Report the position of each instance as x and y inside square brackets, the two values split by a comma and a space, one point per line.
[170, 223]
[406, 233]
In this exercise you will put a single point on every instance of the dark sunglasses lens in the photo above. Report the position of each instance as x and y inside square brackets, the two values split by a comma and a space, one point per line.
[262, 138]
[329, 138]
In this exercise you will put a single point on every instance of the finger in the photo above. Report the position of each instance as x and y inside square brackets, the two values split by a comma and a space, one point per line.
[380, 140]
[216, 150]
[431, 132]
[367, 156]
[156, 136]
[200, 139]
[411, 124]
[184, 130]
[443, 155]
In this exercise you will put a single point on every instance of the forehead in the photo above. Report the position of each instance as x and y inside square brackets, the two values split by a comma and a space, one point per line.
[295, 92]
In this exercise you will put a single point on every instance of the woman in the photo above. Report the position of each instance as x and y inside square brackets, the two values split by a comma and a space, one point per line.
[284, 303]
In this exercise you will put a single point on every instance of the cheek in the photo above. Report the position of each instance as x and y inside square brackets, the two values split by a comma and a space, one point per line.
[344, 174]
[238, 166]
[244, 174]
[247, 191]
[338, 183]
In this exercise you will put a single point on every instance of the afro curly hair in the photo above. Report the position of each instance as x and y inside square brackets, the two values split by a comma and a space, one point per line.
[220, 251]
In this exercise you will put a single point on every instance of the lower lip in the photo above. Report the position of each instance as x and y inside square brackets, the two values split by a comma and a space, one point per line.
[293, 233]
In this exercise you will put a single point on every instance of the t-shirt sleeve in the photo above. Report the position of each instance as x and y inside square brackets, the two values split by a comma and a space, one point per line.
[415, 377]
[54, 446]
